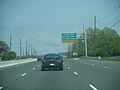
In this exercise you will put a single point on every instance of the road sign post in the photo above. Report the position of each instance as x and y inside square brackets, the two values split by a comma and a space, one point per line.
[69, 38]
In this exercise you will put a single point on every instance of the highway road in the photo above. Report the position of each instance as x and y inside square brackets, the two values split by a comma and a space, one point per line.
[78, 74]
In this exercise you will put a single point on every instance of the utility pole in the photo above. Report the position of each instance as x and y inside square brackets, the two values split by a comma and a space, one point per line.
[69, 51]
[26, 48]
[77, 45]
[10, 42]
[85, 43]
[31, 50]
[34, 51]
[20, 48]
[23, 53]
[94, 36]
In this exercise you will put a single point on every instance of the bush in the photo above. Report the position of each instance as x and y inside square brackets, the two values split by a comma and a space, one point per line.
[8, 55]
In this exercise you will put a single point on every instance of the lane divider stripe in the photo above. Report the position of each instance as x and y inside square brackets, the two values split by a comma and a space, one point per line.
[33, 69]
[93, 87]
[68, 67]
[23, 74]
[38, 65]
[75, 73]
[106, 67]
[1, 87]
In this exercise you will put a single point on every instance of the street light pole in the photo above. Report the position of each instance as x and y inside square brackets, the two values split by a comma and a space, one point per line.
[94, 36]
[85, 44]
[85, 41]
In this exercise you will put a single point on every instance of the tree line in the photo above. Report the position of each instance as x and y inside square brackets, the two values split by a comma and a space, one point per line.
[106, 42]
[5, 52]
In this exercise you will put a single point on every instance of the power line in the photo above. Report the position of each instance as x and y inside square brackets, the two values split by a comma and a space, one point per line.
[115, 24]
[108, 16]
[109, 3]
[110, 13]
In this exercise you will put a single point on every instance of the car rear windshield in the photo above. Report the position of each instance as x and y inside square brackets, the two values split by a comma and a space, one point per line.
[51, 56]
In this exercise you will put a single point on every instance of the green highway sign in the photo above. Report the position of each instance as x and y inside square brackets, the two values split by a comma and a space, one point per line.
[69, 37]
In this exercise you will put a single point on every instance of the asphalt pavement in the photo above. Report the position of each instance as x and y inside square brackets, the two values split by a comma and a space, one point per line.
[78, 74]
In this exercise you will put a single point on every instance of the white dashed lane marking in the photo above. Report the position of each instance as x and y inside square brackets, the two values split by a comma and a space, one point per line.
[38, 65]
[23, 74]
[1, 87]
[68, 67]
[75, 73]
[92, 64]
[75, 58]
[93, 87]
[106, 67]
[65, 65]
[33, 69]
[85, 62]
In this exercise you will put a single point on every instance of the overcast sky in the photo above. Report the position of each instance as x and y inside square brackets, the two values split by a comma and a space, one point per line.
[41, 22]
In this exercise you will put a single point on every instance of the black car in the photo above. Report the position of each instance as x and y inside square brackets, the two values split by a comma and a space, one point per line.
[40, 58]
[52, 61]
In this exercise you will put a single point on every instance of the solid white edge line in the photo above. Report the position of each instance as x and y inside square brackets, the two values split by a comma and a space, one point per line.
[75, 73]
[93, 87]
[23, 74]
[1, 87]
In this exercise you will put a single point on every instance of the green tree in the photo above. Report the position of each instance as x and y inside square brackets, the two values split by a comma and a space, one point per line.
[90, 40]
[78, 46]
[3, 47]
[107, 42]
[8, 55]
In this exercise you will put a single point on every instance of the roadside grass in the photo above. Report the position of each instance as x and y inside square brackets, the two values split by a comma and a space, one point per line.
[111, 58]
